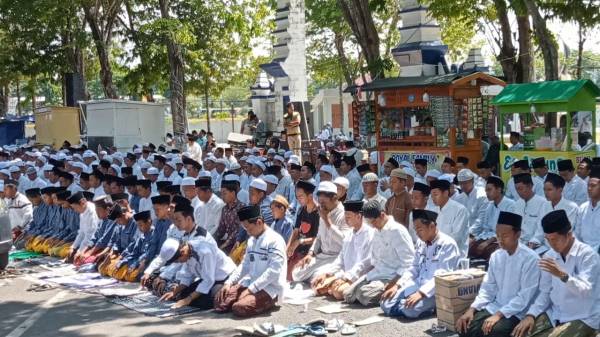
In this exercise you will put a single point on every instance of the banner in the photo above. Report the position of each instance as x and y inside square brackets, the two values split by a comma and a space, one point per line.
[434, 158]
[507, 158]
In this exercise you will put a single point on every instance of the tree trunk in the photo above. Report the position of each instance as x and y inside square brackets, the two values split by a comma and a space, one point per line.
[18, 97]
[545, 40]
[176, 82]
[32, 90]
[207, 104]
[358, 16]
[507, 54]
[344, 64]
[4, 99]
[580, 44]
[524, 67]
[103, 51]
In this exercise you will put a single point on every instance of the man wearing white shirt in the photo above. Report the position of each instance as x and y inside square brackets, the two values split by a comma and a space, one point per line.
[575, 188]
[20, 209]
[188, 189]
[96, 179]
[208, 213]
[568, 300]
[553, 189]
[144, 190]
[192, 167]
[392, 254]
[356, 247]
[508, 288]
[484, 241]
[257, 283]
[584, 169]
[453, 218]
[421, 168]
[518, 167]
[588, 221]
[435, 252]
[530, 206]
[170, 173]
[193, 148]
[32, 180]
[541, 170]
[472, 197]
[88, 222]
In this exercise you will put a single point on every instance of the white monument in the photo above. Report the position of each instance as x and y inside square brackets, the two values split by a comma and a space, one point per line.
[287, 70]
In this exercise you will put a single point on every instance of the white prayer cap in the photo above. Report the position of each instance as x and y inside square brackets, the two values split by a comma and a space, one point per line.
[31, 170]
[61, 156]
[14, 169]
[271, 151]
[433, 173]
[77, 156]
[342, 181]
[108, 158]
[188, 181]
[171, 164]
[328, 169]
[294, 161]
[169, 249]
[259, 164]
[281, 152]
[374, 158]
[116, 168]
[42, 159]
[365, 154]
[370, 178]
[271, 179]
[137, 150]
[327, 186]
[204, 173]
[465, 175]
[47, 167]
[145, 165]
[151, 158]
[221, 161]
[288, 154]
[447, 176]
[409, 171]
[177, 161]
[103, 153]
[279, 158]
[259, 184]
[89, 154]
[405, 163]
[19, 162]
[255, 150]
[153, 170]
[211, 158]
[247, 151]
[234, 166]
[79, 165]
[231, 177]
[186, 154]
[5, 172]
[244, 158]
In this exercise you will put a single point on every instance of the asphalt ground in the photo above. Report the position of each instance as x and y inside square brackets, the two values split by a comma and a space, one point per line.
[68, 313]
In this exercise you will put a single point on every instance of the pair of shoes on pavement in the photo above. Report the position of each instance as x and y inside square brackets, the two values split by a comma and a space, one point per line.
[336, 325]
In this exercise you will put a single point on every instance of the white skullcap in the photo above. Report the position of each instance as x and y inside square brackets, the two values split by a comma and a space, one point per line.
[271, 151]
[374, 158]
[234, 166]
[288, 154]
[465, 175]
[153, 171]
[259, 164]
[328, 169]
[169, 249]
[259, 184]
[433, 173]
[327, 186]
[448, 177]
[370, 178]
[409, 171]
[279, 158]
[342, 181]
[231, 177]
[271, 179]
[222, 161]
[188, 181]
[172, 164]
[14, 169]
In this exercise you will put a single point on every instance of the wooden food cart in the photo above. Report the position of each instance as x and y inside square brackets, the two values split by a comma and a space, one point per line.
[433, 117]
[552, 118]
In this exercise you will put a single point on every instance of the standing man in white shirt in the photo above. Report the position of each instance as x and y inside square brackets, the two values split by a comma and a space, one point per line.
[575, 187]
[588, 221]
[392, 254]
[208, 213]
[453, 218]
[508, 288]
[193, 148]
[435, 252]
[568, 302]
[258, 282]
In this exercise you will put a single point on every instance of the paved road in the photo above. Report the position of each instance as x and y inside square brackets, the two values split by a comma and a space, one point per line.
[66, 313]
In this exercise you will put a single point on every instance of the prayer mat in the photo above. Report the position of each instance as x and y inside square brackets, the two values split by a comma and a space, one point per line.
[22, 255]
[82, 281]
[150, 305]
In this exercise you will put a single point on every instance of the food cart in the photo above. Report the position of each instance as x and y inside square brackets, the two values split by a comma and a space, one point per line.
[433, 117]
[556, 121]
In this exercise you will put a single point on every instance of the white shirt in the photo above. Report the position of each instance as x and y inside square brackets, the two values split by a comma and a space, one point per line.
[476, 203]
[420, 179]
[377, 197]
[196, 202]
[207, 263]
[146, 205]
[88, 222]
[330, 238]
[173, 178]
[487, 228]
[208, 214]
[588, 225]
[576, 190]
[538, 185]
[511, 189]
[355, 248]
[440, 256]
[195, 151]
[74, 188]
[29, 184]
[579, 297]
[568, 206]
[354, 191]
[532, 212]
[510, 284]
[99, 191]
[392, 253]
[453, 220]
[243, 196]
[264, 265]
[20, 211]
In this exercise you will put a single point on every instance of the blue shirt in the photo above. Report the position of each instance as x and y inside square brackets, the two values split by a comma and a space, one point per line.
[71, 223]
[136, 251]
[159, 235]
[54, 222]
[123, 236]
[37, 223]
[284, 227]
[103, 234]
[134, 202]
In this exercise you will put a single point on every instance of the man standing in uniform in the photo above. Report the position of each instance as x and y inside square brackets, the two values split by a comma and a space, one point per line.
[292, 126]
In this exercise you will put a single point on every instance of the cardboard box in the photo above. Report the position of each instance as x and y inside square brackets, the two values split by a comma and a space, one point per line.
[454, 293]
